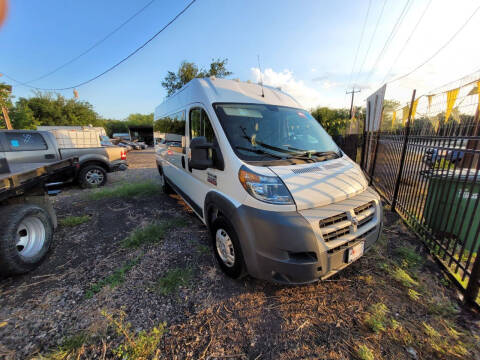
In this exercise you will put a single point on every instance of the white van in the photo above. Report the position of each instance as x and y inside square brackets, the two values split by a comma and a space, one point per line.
[280, 199]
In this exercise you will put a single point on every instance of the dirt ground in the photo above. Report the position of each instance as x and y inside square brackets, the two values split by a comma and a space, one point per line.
[393, 303]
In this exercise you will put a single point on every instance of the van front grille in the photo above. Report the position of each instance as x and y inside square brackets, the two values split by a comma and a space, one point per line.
[339, 225]
[333, 220]
[359, 209]
[336, 234]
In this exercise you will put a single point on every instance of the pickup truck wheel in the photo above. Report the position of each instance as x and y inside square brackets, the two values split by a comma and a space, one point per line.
[227, 248]
[92, 176]
[26, 236]
[167, 189]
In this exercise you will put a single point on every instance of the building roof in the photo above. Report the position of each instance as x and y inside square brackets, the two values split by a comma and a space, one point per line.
[212, 90]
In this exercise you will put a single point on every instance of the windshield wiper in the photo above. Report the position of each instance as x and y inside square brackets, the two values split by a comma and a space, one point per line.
[259, 151]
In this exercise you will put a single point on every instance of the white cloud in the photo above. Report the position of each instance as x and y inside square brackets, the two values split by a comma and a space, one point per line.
[305, 95]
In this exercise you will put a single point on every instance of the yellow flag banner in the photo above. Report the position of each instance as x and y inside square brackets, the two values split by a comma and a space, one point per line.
[429, 97]
[414, 109]
[451, 98]
[405, 110]
[394, 117]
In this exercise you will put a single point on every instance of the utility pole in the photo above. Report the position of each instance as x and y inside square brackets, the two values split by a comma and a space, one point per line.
[353, 92]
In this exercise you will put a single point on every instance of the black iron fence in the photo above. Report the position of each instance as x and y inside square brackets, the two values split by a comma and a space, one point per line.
[427, 169]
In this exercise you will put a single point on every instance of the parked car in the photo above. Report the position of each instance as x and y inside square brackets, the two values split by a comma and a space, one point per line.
[106, 141]
[434, 155]
[281, 201]
[30, 147]
[125, 145]
[142, 145]
[27, 218]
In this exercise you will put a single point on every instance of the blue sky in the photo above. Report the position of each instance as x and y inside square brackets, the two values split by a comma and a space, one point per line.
[306, 47]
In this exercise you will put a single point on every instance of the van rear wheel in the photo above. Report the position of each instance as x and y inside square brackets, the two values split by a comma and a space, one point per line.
[227, 248]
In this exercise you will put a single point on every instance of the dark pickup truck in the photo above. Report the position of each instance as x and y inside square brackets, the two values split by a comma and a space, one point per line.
[35, 147]
[27, 218]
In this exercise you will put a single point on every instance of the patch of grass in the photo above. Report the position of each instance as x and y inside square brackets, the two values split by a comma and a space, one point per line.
[404, 278]
[440, 343]
[376, 318]
[365, 353]
[444, 308]
[203, 249]
[173, 279]
[143, 345]
[414, 295]
[113, 280]
[127, 190]
[69, 348]
[410, 259]
[74, 220]
[152, 233]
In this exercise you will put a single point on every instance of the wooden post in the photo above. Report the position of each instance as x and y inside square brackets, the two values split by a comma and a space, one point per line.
[7, 119]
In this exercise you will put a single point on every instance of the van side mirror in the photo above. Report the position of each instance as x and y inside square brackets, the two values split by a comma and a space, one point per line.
[202, 154]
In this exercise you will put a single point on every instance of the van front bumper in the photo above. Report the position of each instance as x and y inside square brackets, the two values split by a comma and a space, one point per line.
[287, 247]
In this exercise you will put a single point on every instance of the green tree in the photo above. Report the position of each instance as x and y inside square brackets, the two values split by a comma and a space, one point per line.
[189, 70]
[334, 121]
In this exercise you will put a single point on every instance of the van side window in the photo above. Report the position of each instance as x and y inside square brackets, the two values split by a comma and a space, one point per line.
[200, 125]
[25, 141]
[171, 124]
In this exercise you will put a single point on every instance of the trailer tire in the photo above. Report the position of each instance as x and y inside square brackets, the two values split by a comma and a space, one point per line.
[92, 176]
[26, 236]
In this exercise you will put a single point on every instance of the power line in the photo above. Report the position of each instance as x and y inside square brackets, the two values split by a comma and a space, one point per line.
[91, 47]
[113, 66]
[389, 38]
[408, 40]
[440, 49]
[360, 42]
[371, 40]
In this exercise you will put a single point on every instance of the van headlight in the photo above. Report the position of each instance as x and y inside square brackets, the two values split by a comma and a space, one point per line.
[269, 189]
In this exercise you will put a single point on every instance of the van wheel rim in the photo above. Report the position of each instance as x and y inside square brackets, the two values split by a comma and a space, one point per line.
[30, 237]
[225, 249]
[94, 177]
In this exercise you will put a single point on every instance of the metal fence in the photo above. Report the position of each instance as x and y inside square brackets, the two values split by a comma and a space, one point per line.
[425, 163]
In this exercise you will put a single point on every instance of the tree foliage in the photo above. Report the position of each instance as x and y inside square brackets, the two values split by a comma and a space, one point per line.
[189, 70]
[334, 121]
[55, 110]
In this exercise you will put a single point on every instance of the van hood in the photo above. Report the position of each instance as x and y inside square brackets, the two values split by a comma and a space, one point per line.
[323, 183]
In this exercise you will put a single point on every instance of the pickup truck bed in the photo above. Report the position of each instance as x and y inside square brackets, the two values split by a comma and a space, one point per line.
[26, 176]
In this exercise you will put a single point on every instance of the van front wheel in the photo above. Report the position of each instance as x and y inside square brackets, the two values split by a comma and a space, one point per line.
[227, 248]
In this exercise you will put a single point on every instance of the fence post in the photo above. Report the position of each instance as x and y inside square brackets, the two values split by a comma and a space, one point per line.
[402, 159]
[364, 141]
[473, 283]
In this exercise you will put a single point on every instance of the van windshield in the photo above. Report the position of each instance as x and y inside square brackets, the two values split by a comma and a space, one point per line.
[259, 132]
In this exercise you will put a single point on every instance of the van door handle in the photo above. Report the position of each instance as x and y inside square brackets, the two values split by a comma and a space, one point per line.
[183, 161]
[50, 156]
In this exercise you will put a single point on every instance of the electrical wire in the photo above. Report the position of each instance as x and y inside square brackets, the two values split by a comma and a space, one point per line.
[371, 40]
[407, 41]
[440, 49]
[359, 43]
[389, 38]
[91, 47]
[113, 66]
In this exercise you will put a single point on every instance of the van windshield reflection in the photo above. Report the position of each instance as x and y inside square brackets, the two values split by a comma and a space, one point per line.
[257, 131]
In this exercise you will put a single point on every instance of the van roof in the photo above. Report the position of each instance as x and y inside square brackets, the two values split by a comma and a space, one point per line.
[212, 90]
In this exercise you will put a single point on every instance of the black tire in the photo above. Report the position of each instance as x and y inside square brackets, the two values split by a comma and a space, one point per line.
[166, 188]
[12, 222]
[86, 180]
[237, 269]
